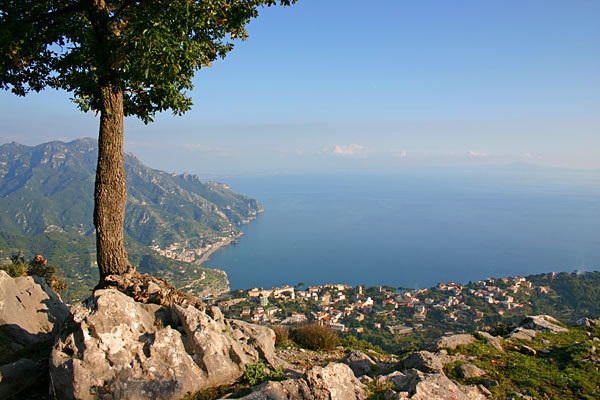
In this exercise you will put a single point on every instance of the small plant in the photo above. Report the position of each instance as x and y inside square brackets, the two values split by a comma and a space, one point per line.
[315, 337]
[255, 373]
[260, 372]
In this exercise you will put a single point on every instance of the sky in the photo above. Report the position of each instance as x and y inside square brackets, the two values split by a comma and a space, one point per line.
[345, 85]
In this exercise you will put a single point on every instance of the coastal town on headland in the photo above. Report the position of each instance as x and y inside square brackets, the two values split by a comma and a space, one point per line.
[396, 313]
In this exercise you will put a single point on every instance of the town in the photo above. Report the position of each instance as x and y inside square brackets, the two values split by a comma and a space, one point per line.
[384, 311]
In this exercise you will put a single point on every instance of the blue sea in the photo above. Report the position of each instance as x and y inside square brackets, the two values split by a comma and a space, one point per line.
[416, 228]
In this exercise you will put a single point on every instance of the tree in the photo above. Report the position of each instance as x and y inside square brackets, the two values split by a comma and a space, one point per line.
[118, 58]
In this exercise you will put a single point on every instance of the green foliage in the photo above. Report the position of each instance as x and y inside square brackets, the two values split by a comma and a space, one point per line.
[37, 266]
[315, 337]
[260, 372]
[255, 373]
[18, 267]
[353, 343]
[149, 51]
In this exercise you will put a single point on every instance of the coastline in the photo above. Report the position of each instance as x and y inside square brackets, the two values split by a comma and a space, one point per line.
[216, 246]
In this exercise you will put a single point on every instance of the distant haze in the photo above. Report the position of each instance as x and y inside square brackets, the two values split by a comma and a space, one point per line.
[344, 85]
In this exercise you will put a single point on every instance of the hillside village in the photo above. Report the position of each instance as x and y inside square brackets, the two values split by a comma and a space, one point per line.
[386, 310]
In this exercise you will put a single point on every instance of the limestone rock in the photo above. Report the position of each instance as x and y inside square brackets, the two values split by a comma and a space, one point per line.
[469, 371]
[120, 348]
[528, 351]
[423, 386]
[495, 341]
[415, 384]
[543, 323]
[30, 312]
[335, 382]
[360, 363]
[424, 361]
[521, 334]
[453, 341]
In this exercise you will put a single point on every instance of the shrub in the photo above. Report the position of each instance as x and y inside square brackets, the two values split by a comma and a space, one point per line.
[282, 335]
[37, 266]
[353, 343]
[16, 269]
[40, 267]
[315, 337]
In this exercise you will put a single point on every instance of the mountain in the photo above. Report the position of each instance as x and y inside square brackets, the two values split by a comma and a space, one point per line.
[46, 203]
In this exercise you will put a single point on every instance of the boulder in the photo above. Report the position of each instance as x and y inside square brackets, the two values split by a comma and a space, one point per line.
[30, 312]
[360, 363]
[544, 323]
[521, 334]
[495, 341]
[415, 384]
[422, 386]
[453, 341]
[469, 371]
[335, 381]
[424, 361]
[120, 348]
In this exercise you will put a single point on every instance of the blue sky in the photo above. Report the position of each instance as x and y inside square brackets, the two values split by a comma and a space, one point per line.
[343, 85]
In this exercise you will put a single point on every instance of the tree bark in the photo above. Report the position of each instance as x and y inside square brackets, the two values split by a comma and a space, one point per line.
[110, 196]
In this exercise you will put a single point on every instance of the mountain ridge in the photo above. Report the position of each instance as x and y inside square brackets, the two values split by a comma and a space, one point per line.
[46, 192]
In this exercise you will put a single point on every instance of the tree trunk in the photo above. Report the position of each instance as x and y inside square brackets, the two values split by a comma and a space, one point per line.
[110, 196]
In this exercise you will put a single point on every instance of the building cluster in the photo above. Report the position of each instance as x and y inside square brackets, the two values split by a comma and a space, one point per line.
[343, 307]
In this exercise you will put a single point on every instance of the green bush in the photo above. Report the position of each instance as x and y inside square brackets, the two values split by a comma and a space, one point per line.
[315, 337]
[255, 373]
[15, 270]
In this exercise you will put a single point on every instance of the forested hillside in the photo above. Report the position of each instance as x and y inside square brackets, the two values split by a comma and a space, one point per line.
[46, 203]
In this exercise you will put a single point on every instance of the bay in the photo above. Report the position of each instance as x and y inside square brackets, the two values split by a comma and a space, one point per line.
[416, 228]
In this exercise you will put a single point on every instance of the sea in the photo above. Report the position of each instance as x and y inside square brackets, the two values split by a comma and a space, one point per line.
[415, 228]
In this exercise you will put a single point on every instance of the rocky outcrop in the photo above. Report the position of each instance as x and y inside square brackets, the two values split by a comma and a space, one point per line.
[527, 329]
[119, 348]
[417, 385]
[359, 362]
[469, 371]
[335, 381]
[424, 361]
[453, 341]
[30, 316]
[544, 323]
[495, 341]
[30, 312]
